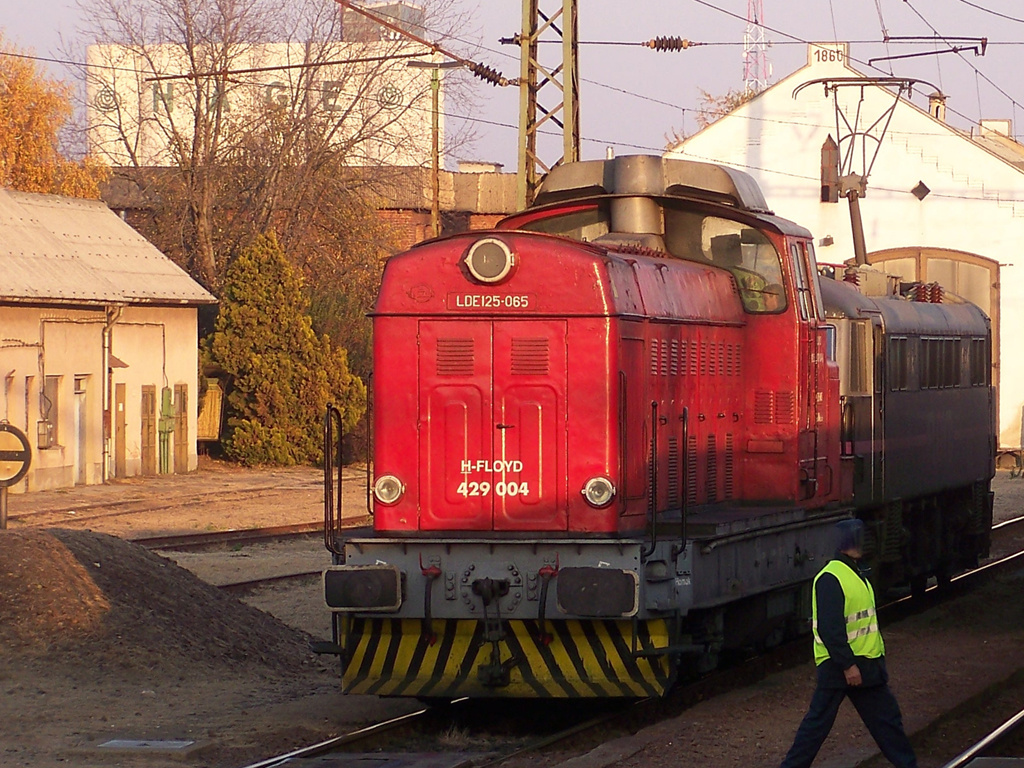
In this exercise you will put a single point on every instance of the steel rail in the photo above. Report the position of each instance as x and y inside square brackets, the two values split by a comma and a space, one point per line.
[246, 586]
[325, 746]
[964, 759]
[1008, 523]
[230, 536]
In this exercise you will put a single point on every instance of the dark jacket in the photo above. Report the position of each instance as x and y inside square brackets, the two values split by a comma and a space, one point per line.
[828, 594]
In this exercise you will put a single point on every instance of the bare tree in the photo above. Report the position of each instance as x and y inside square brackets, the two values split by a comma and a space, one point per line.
[259, 115]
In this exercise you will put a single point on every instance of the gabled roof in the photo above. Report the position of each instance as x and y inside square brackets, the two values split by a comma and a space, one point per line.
[990, 141]
[71, 251]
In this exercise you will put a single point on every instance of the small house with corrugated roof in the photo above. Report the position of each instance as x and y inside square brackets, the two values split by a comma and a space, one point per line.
[98, 344]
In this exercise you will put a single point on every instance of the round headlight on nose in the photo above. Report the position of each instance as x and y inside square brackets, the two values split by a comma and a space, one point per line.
[489, 260]
[388, 489]
[599, 491]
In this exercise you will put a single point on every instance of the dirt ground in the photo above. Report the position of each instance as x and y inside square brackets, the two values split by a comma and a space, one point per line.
[102, 640]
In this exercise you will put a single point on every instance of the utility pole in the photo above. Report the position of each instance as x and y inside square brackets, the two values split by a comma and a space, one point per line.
[558, 80]
[435, 68]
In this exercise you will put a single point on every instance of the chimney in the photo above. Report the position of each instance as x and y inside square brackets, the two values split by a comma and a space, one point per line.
[937, 106]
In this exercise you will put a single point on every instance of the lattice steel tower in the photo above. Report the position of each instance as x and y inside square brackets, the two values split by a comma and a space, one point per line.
[756, 70]
[556, 80]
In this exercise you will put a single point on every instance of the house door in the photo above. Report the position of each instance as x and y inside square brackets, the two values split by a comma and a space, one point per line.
[149, 429]
[120, 438]
[81, 431]
[181, 441]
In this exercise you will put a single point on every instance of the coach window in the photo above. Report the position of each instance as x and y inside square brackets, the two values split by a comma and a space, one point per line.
[831, 341]
[953, 361]
[899, 364]
[979, 362]
[861, 358]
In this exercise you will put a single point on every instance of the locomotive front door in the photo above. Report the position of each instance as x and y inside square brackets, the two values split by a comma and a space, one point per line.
[455, 425]
[529, 425]
[492, 425]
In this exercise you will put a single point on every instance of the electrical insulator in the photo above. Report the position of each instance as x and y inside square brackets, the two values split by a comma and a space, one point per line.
[487, 74]
[669, 43]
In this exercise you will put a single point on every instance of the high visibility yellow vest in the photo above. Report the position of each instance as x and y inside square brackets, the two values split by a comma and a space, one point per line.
[859, 608]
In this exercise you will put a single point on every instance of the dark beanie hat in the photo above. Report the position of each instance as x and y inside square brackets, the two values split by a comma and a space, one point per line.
[849, 535]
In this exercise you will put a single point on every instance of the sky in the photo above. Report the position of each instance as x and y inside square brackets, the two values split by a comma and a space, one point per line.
[633, 99]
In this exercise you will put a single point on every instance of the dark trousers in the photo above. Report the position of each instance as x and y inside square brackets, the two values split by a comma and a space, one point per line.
[878, 709]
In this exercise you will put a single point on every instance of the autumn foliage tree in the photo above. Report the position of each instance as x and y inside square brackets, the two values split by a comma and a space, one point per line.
[33, 110]
[281, 374]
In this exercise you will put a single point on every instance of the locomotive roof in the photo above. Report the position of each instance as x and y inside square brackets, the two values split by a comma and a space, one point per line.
[900, 315]
[650, 175]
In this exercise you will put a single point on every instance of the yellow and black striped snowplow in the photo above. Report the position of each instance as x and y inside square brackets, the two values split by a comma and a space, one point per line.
[599, 658]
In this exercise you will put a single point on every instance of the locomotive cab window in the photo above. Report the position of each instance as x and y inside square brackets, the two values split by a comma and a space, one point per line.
[744, 251]
[586, 225]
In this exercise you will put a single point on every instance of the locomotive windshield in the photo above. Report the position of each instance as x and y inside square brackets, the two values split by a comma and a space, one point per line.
[746, 252]
[587, 224]
[696, 236]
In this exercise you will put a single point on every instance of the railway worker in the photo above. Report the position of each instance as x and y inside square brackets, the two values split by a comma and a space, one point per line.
[850, 658]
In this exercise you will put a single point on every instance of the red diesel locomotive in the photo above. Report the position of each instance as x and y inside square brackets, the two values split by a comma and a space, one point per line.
[612, 437]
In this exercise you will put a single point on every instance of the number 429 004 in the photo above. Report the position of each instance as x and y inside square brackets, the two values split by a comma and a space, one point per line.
[500, 489]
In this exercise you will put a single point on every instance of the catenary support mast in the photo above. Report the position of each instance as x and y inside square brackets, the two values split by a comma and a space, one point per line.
[554, 82]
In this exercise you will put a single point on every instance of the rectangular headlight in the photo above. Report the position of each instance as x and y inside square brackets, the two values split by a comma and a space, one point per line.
[363, 588]
[598, 592]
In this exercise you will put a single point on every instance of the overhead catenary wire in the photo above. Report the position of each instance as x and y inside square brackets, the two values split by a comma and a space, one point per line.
[280, 67]
[994, 13]
[792, 40]
[484, 72]
[640, 96]
[978, 72]
[790, 36]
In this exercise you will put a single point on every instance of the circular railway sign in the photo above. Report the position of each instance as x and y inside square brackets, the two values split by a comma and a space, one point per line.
[15, 454]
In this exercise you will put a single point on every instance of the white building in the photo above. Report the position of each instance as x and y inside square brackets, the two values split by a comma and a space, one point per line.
[942, 205]
[98, 344]
[359, 95]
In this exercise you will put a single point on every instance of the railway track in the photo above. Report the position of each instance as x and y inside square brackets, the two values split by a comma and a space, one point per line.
[91, 511]
[237, 536]
[608, 736]
[461, 734]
